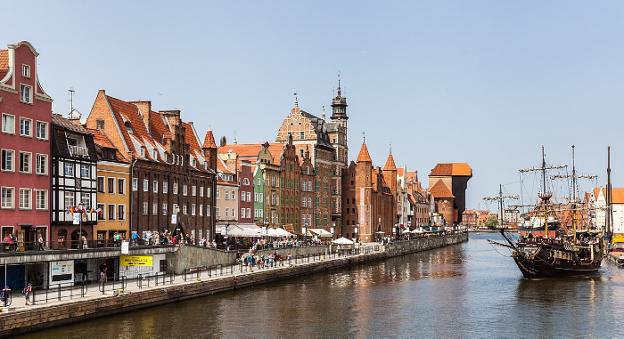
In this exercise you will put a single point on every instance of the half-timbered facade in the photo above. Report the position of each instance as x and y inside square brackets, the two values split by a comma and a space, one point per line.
[74, 182]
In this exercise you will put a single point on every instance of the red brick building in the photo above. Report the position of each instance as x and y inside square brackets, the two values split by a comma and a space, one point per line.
[25, 145]
[246, 191]
[447, 184]
[368, 202]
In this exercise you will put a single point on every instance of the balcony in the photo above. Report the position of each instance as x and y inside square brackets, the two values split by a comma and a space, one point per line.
[77, 151]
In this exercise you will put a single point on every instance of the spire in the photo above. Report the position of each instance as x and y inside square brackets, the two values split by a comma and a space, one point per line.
[296, 100]
[209, 140]
[339, 88]
[364, 156]
[339, 104]
[390, 164]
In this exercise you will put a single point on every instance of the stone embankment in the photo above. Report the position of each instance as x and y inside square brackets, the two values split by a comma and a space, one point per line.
[97, 305]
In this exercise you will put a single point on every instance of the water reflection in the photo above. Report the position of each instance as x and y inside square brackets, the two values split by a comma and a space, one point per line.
[466, 290]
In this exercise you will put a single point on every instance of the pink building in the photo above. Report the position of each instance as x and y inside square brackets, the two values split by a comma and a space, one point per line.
[25, 146]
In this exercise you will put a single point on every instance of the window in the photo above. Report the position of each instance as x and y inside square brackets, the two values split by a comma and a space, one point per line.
[217, 212]
[246, 182]
[121, 212]
[248, 212]
[208, 210]
[208, 192]
[155, 186]
[111, 212]
[42, 130]
[42, 164]
[8, 156]
[8, 123]
[233, 195]
[201, 210]
[85, 199]
[26, 71]
[242, 214]
[175, 188]
[184, 209]
[145, 207]
[99, 124]
[242, 196]
[165, 187]
[164, 208]
[26, 94]
[227, 212]
[100, 212]
[218, 193]
[154, 208]
[25, 202]
[69, 199]
[301, 135]
[248, 196]
[111, 185]
[8, 197]
[41, 202]
[85, 171]
[184, 190]
[201, 191]
[193, 190]
[121, 186]
[145, 185]
[135, 184]
[192, 209]
[175, 209]
[68, 169]
[26, 127]
[25, 162]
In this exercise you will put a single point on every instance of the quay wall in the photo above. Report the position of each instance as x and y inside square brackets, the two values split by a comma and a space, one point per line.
[29, 320]
[192, 256]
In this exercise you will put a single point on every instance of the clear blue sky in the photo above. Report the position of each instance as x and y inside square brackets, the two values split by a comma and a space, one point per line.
[485, 82]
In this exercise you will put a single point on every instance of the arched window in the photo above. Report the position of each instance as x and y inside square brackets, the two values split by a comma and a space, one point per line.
[245, 181]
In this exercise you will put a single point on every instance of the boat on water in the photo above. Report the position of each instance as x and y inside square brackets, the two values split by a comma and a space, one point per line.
[545, 248]
[616, 250]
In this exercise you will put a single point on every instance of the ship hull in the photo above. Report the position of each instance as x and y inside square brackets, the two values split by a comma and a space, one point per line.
[543, 264]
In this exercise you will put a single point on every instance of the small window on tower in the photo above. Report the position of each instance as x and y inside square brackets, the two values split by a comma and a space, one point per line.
[301, 135]
[99, 123]
[26, 71]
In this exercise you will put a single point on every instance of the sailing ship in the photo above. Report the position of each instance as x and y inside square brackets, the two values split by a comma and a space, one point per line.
[545, 247]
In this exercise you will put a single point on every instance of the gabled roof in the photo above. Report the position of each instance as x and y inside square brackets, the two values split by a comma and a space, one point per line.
[159, 127]
[390, 165]
[618, 194]
[364, 156]
[209, 140]
[459, 169]
[250, 151]
[67, 124]
[440, 190]
[101, 140]
[190, 137]
[222, 167]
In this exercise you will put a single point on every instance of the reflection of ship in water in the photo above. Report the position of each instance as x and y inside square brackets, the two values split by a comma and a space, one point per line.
[545, 247]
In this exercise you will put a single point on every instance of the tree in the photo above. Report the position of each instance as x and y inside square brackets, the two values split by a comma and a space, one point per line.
[491, 221]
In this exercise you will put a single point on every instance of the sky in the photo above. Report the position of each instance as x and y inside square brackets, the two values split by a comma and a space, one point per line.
[483, 82]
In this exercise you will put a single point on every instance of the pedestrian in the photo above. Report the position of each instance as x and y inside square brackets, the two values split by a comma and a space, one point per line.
[27, 292]
[40, 242]
[5, 295]
[84, 242]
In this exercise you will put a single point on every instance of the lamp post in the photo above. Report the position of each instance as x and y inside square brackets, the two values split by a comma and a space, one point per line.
[305, 232]
[333, 229]
[357, 226]
[227, 246]
[80, 209]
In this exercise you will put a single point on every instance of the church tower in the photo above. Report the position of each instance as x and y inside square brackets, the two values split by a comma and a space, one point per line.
[339, 118]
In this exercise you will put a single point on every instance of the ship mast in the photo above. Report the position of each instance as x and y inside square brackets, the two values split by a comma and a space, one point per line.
[573, 196]
[609, 197]
[544, 196]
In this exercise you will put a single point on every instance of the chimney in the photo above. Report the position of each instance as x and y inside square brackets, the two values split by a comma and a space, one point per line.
[145, 107]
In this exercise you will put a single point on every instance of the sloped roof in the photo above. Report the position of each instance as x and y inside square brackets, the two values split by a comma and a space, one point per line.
[440, 190]
[390, 165]
[459, 169]
[101, 140]
[364, 156]
[209, 140]
[159, 126]
[222, 167]
[618, 194]
[251, 151]
[190, 137]
[4, 62]
[67, 124]
[401, 171]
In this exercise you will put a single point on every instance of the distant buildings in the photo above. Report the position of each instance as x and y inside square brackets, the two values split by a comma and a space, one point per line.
[597, 202]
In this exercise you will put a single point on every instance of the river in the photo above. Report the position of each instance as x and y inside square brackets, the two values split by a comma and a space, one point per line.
[466, 290]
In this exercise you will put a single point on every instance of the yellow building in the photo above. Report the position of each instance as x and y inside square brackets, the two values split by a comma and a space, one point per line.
[113, 191]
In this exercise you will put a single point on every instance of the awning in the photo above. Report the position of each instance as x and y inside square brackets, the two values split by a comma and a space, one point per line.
[321, 233]
[342, 241]
[239, 231]
[278, 233]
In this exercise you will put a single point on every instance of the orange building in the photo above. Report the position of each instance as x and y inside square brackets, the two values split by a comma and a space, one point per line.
[447, 185]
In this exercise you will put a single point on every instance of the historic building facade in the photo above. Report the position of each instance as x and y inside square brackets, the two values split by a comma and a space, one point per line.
[26, 114]
[290, 193]
[447, 184]
[307, 191]
[113, 191]
[172, 183]
[369, 211]
[246, 191]
[74, 182]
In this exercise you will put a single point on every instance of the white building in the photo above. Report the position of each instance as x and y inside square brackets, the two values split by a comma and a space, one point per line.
[598, 201]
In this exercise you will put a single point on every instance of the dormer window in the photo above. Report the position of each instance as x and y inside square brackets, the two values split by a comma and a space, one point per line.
[26, 71]
[26, 94]
[142, 152]
[154, 154]
[128, 126]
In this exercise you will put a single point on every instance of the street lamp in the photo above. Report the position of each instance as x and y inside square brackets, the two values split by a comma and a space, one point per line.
[305, 232]
[80, 210]
[333, 229]
[356, 231]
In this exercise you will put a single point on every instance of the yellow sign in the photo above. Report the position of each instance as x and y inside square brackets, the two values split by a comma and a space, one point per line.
[618, 237]
[135, 260]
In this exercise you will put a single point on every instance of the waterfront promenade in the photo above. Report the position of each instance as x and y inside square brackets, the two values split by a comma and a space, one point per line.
[84, 303]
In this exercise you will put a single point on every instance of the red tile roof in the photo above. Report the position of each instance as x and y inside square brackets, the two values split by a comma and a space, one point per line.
[158, 127]
[222, 167]
[364, 156]
[390, 165]
[4, 62]
[100, 139]
[209, 140]
[618, 194]
[440, 190]
[190, 137]
[460, 169]
[251, 151]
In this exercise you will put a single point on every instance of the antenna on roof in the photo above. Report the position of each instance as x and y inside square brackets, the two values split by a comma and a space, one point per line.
[296, 99]
[390, 148]
[339, 89]
[71, 92]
